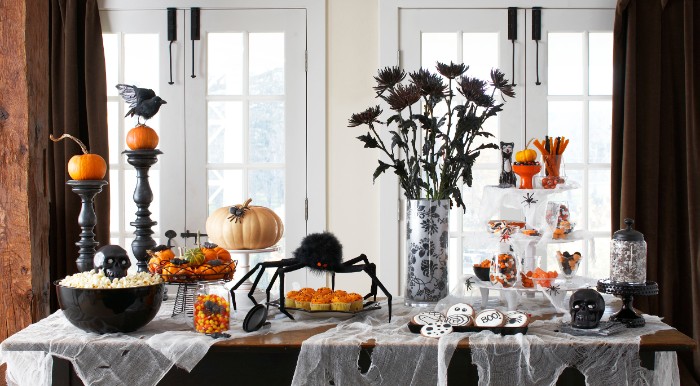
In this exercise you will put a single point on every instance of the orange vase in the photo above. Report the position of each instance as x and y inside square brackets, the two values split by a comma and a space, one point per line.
[526, 172]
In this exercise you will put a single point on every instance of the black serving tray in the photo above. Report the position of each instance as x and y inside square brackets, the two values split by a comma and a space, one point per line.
[415, 328]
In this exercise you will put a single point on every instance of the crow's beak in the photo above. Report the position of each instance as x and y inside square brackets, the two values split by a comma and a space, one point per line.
[163, 102]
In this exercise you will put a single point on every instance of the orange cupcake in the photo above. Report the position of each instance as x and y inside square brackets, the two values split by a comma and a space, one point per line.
[339, 292]
[320, 303]
[355, 301]
[290, 299]
[324, 291]
[340, 303]
[303, 300]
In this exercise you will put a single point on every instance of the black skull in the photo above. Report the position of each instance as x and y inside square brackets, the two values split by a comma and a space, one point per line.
[113, 260]
[586, 307]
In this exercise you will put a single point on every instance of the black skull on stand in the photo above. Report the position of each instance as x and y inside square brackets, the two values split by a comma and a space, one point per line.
[586, 307]
[113, 261]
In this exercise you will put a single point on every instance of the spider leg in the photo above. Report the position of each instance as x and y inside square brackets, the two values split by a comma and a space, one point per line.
[281, 271]
[261, 266]
[363, 258]
[371, 270]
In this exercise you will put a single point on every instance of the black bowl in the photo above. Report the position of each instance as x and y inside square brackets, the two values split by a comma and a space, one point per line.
[482, 273]
[111, 309]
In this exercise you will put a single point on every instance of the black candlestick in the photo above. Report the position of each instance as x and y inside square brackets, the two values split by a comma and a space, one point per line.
[142, 160]
[87, 190]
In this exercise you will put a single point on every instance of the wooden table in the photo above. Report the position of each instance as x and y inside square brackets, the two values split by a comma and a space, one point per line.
[271, 360]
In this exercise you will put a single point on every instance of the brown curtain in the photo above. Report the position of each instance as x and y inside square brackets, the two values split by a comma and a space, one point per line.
[78, 107]
[656, 153]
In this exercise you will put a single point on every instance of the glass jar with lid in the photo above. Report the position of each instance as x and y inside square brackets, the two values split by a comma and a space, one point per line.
[212, 307]
[628, 256]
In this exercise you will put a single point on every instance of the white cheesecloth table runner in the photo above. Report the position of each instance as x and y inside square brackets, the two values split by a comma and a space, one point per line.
[399, 356]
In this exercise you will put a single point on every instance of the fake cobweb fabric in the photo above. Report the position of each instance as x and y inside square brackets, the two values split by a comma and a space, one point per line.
[140, 358]
[536, 358]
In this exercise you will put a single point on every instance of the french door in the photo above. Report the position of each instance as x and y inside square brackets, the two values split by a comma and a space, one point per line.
[573, 100]
[235, 124]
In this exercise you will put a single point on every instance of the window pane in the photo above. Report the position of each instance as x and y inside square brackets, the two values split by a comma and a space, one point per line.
[110, 42]
[266, 132]
[600, 267]
[114, 201]
[225, 188]
[266, 63]
[566, 119]
[225, 132]
[225, 63]
[565, 64]
[113, 132]
[480, 53]
[599, 200]
[266, 188]
[436, 47]
[140, 49]
[600, 48]
[599, 131]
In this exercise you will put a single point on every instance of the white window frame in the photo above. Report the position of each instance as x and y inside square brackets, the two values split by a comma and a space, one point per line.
[389, 55]
[315, 88]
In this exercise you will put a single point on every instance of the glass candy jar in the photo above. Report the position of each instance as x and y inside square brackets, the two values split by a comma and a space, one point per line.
[628, 256]
[212, 308]
[503, 269]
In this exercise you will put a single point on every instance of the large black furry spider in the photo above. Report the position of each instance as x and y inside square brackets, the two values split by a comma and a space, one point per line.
[320, 252]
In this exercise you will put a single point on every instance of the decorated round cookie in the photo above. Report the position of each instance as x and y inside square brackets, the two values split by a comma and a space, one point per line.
[461, 309]
[516, 319]
[427, 317]
[436, 330]
[490, 318]
[460, 320]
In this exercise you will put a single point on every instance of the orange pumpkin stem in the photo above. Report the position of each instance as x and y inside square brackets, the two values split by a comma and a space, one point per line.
[529, 142]
[248, 201]
[64, 136]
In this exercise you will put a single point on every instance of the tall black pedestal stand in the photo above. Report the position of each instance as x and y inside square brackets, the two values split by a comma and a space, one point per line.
[142, 160]
[87, 190]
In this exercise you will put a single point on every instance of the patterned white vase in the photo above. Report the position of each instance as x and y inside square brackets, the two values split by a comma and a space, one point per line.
[427, 236]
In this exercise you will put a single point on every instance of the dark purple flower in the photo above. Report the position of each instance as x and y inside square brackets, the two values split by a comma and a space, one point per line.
[366, 117]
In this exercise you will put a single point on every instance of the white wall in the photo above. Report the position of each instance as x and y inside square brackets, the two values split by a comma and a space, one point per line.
[353, 201]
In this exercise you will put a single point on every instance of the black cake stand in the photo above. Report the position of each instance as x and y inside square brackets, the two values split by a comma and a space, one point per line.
[627, 315]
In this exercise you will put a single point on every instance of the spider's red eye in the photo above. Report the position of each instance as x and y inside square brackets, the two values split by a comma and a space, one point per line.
[318, 264]
[325, 265]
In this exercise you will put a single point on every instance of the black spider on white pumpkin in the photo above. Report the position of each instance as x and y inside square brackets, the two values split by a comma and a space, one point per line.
[529, 199]
[321, 253]
[237, 212]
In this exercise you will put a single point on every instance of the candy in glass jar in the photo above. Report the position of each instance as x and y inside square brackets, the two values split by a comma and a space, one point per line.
[212, 308]
[628, 256]
[503, 270]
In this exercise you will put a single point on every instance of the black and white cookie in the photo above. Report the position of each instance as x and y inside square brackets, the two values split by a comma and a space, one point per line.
[490, 318]
[426, 317]
[460, 320]
[516, 319]
[461, 309]
[436, 330]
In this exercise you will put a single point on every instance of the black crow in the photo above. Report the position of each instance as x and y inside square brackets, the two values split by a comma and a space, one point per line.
[143, 102]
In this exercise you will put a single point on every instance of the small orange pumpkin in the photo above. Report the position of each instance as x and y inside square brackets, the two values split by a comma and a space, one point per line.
[215, 252]
[142, 137]
[85, 166]
[527, 155]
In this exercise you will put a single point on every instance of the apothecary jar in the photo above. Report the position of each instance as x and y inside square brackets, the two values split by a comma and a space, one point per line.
[628, 256]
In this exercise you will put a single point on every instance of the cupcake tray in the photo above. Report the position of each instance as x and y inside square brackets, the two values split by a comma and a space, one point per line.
[415, 328]
[368, 306]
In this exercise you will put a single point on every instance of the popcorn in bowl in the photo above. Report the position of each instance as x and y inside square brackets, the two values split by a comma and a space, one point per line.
[92, 279]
